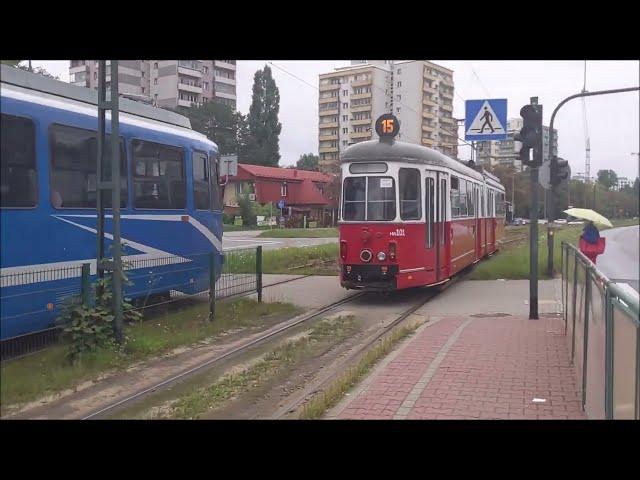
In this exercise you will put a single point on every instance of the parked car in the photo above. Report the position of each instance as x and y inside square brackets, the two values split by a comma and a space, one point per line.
[543, 221]
[562, 221]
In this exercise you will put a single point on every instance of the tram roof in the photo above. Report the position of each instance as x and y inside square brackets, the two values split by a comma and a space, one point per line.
[374, 150]
[33, 81]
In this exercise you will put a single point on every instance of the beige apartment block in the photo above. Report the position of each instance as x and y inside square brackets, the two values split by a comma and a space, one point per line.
[419, 93]
[166, 83]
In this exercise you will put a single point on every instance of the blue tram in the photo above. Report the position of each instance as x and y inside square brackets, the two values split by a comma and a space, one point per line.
[171, 217]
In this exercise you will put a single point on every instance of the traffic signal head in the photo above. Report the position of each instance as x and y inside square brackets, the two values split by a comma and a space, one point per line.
[530, 135]
[560, 171]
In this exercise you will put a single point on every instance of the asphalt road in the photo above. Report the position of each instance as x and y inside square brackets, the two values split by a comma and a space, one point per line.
[250, 239]
[620, 260]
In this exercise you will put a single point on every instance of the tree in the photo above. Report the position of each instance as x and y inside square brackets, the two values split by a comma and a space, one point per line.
[308, 161]
[261, 146]
[607, 178]
[11, 63]
[218, 122]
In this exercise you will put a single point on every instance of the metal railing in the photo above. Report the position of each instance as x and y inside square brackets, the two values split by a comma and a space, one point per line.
[40, 296]
[603, 331]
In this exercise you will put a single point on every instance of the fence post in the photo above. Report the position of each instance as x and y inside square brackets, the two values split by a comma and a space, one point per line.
[585, 338]
[608, 355]
[259, 272]
[85, 286]
[212, 286]
[575, 303]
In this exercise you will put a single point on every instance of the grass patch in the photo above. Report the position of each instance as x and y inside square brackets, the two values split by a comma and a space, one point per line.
[48, 372]
[242, 228]
[316, 260]
[332, 395]
[204, 399]
[300, 233]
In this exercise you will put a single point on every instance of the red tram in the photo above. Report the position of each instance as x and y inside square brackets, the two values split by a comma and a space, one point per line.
[411, 216]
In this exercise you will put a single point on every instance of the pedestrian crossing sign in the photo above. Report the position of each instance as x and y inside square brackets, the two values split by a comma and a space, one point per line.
[485, 119]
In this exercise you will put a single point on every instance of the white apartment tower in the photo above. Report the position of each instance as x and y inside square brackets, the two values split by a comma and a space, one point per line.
[166, 83]
[419, 93]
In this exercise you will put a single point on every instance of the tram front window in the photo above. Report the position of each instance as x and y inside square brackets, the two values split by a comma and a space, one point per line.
[380, 199]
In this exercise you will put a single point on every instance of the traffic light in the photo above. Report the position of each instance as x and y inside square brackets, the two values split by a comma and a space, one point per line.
[531, 135]
[560, 171]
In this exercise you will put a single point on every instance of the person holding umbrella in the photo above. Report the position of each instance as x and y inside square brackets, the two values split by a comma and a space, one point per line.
[591, 243]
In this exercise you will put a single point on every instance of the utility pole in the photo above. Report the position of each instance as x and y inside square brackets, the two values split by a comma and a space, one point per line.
[553, 158]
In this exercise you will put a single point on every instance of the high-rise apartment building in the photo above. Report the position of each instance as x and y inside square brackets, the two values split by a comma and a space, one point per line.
[419, 93]
[502, 152]
[166, 83]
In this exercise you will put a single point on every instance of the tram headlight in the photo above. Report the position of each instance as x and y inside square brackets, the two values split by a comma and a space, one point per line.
[382, 256]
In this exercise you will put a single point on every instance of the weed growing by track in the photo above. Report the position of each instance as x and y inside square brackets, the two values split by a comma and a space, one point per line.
[205, 399]
[300, 233]
[47, 372]
[333, 394]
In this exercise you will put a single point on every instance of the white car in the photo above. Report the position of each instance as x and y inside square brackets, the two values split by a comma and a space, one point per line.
[562, 221]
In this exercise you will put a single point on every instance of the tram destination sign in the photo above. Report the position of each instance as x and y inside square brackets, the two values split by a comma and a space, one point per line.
[387, 126]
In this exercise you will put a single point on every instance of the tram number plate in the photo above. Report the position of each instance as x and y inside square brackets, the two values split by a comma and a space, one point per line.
[399, 232]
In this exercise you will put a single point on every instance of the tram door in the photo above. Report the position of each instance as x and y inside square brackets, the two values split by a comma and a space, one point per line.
[437, 235]
[491, 213]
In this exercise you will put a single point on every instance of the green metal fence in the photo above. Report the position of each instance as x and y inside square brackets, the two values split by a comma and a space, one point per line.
[155, 282]
[603, 330]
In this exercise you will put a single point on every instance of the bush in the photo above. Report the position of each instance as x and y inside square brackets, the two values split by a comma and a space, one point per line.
[247, 210]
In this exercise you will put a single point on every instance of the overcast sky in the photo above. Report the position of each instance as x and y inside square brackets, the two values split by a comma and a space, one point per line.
[613, 120]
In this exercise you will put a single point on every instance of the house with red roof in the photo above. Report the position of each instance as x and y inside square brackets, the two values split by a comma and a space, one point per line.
[303, 192]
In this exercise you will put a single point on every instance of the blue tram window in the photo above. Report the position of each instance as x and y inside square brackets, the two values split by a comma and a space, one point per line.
[74, 154]
[201, 197]
[158, 180]
[18, 178]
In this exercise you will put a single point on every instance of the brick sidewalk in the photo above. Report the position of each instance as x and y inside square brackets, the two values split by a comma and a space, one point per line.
[473, 368]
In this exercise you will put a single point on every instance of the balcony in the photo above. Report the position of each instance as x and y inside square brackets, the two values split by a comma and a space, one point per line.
[426, 88]
[429, 102]
[447, 81]
[428, 127]
[324, 113]
[447, 107]
[356, 96]
[429, 142]
[447, 95]
[326, 88]
[362, 83]
[329, 124]
[323, 138]
[362, 121]
[327, 149]
[328, 100]
[366, 135]
[186, 103]
[223, 64]
[189, 88]
[191, 72]
[360, 108]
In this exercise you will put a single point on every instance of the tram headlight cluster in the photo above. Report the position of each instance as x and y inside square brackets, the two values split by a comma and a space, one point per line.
[382, 256]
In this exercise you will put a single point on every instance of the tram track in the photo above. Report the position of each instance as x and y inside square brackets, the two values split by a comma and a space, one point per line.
[354, 356]
[288, 325]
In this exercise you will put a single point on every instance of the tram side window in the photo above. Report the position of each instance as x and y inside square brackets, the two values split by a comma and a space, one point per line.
[18, 178]
[74, 153]
[381, 199]
[158, 180]
[471, 199]
[354, 198]
[455, 197]
[214, 160]
[462, 198]
[410, 195]
[201, 197]
[500, 207]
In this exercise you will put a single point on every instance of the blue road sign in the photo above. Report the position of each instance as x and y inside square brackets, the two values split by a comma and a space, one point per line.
[485, 119]
[281, 204]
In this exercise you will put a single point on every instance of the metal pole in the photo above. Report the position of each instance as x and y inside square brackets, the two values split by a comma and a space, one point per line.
[533, 246]
[115, 204]
[102, 99]
[553, 155]
[513, 195]
[212, 286]
[259, 272]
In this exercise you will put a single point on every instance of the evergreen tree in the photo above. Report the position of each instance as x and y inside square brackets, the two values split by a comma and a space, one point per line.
[261, 146]
[308, 161]
[218, 122]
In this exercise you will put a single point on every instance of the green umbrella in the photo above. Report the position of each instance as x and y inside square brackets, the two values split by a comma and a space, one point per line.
[588, 214]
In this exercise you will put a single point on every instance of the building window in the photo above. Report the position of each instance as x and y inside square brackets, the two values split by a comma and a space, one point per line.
[398, 109]
[345, 118]
[205, 69]
[345, 130]
[399, 84]
[345, 143]
[345, 105]
[283, 189]
[142, 89]
[398, 97]
[399, 71]
[73, 168]
[158, 179]
[345, 93]
[18, 180]
[155, 81]
[155, 65]
[95, 75]
[201, 197]
[143, 74]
